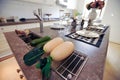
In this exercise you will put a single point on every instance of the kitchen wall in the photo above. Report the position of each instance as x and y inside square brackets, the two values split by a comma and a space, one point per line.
[112, 17]
[24, 9]
[80, 5]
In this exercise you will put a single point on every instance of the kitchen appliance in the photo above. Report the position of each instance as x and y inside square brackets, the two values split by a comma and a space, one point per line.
[72, 66]
[91, 36]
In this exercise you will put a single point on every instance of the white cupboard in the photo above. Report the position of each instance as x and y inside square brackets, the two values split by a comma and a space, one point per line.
[8, 28]
[47, 2]
[27, 26]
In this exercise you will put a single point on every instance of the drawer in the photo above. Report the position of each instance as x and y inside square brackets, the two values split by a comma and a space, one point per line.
[8, 28]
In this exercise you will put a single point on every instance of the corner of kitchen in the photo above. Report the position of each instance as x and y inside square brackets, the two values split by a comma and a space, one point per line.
[59, 40]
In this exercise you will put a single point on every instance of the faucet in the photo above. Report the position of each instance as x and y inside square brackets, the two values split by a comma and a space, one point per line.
[39, 18]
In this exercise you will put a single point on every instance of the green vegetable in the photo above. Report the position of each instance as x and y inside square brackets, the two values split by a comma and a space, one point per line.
[40, 45]
[39, 40]
[33, 56]
[41, 63]
[45, 65]
[46, 68]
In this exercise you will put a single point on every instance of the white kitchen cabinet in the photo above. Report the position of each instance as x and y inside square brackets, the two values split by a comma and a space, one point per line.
[71, 4]
[19, 27]
[4, 47]
[33, 25]
[62, 2]
[47, 2]
[47, 24]
[8, 28]
[27, 26]
[34, 1]
[22, 26]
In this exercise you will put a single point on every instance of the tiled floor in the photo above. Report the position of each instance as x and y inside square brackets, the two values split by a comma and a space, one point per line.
[8, 70]
[112, 69]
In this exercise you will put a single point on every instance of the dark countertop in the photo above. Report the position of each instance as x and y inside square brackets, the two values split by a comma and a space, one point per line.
[93, 69]
[27, 21]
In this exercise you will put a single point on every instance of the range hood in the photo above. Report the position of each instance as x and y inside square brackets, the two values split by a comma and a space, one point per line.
[44, 2]
[62, 3]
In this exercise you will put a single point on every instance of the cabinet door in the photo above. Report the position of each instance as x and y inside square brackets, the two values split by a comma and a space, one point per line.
[35, 1]
[34, 25]
[8, 28]
[50, 2]
[47, 2]
[4, 47]
[22, 26]
[27, 26]
[47, 24]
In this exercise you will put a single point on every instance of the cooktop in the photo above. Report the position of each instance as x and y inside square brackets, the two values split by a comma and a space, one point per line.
[95, 41]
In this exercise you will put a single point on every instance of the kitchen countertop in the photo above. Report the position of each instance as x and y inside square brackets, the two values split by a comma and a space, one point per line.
[93, 69]
[26, 22]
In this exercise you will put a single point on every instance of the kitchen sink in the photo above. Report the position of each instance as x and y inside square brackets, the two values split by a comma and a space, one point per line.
[27, 39]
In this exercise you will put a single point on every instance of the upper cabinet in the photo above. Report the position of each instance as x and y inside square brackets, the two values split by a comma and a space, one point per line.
[62, 2]
[70, 4]
[47, 2]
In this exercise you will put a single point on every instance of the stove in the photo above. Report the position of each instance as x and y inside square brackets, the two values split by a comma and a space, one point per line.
[93, 40]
